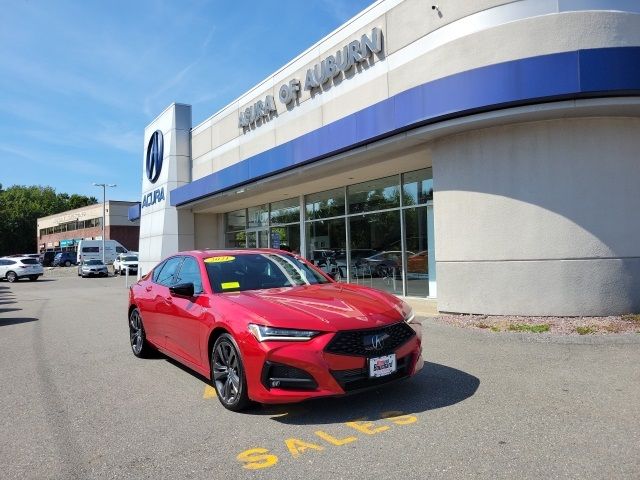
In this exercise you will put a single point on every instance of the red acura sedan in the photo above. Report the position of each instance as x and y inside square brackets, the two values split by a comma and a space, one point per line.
[267, 326]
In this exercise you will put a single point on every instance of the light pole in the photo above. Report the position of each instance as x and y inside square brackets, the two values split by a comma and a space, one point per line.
[104, 203]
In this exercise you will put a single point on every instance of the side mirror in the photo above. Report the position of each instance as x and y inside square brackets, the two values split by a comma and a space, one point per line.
[182, 289]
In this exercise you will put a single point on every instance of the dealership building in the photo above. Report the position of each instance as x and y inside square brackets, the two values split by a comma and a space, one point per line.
[61, 232]
[482, 154]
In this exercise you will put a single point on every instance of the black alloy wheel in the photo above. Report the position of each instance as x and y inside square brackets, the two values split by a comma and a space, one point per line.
[12, 277]
[227, 374]
[139, 344]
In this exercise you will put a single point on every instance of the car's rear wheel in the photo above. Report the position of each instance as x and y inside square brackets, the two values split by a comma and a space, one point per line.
[67, 263]
[139, 344]
[12, 277]
[227, 374]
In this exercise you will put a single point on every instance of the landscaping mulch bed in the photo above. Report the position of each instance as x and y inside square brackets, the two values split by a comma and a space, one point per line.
[553, 325]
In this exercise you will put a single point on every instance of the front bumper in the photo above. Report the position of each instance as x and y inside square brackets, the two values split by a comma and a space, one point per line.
[327, 374]
[95, 273]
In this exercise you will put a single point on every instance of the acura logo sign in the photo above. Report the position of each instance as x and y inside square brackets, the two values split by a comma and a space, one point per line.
[155, 151]
[375, 342]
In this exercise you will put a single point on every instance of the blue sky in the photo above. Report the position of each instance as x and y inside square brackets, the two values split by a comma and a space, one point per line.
[79, 80]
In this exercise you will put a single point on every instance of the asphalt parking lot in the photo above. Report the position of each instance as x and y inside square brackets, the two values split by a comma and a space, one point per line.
[77, 404]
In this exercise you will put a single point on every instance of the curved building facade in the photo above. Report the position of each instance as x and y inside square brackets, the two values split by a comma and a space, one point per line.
[485, 154]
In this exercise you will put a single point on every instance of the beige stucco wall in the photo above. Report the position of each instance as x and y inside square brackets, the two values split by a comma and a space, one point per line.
[539, 218]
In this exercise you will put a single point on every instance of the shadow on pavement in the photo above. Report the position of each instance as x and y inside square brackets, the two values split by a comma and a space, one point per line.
[5, 310]
[436, 386]
[16, 321]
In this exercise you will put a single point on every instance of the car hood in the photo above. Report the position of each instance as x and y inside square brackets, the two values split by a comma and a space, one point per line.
[328, 307]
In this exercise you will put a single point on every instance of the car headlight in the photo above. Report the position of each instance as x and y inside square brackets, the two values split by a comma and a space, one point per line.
[264, 334]
[410, 316]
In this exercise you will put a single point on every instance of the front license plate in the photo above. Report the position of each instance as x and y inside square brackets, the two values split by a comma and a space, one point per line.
[382, 366]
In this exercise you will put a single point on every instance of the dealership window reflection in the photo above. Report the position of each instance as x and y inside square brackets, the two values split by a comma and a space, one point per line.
[376, 212]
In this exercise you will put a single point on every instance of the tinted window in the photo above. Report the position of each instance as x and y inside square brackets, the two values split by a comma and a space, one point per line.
[121, 250]
[90, 249]
[255, 271]
[190, 272]
[29, 261]
[93, 262]
[165, 277]
[157, 270]
[129, 259]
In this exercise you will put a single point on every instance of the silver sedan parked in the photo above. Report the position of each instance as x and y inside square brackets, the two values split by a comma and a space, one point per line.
[92, 268]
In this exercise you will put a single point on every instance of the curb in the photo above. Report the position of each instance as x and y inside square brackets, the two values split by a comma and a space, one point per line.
[601, 339]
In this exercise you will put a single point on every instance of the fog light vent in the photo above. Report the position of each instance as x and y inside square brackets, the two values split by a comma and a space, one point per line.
[277, 375]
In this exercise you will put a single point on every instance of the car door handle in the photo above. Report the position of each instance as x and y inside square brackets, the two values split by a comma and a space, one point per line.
[168, 299]
[148, 288]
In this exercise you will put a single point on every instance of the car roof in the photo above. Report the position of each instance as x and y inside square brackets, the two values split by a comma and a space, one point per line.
[232, 252]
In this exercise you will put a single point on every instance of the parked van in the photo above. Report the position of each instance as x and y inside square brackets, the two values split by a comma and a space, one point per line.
[92, 250]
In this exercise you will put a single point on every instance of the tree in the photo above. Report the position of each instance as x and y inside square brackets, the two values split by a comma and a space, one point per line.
[21, 206]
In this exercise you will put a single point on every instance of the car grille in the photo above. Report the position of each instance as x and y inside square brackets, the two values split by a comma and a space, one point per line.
[352, 342]
[358, 378]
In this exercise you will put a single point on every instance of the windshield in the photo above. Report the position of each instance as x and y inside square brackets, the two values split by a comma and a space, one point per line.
[130, 259]
[256, 271]
[93, 262]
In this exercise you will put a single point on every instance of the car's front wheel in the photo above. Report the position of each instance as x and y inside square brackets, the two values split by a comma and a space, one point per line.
[67, 263]
[227, 374]
[139, 344]
[12, 277]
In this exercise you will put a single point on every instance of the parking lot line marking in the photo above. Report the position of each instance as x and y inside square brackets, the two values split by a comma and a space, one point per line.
[297, 446]
[333, 440]
[366, 427]
[209, 392]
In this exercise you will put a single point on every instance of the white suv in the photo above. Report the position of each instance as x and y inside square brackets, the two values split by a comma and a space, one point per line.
[15, 268]
[124, 262]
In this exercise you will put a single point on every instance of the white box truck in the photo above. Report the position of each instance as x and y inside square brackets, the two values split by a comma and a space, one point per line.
[92, 250]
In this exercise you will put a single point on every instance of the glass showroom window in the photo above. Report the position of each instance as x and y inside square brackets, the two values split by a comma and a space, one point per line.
[380, 194]
[417, 189]
[284, 219]
[387, 232]
[250, 228]
[415, 227]
[325, 204]
[327, 236]
[376, 250]
[236, 224]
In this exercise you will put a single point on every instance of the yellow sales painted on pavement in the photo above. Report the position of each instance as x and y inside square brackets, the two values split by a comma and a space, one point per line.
[209, 392]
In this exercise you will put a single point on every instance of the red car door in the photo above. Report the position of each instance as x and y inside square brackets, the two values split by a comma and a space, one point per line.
[160, 308]
[187, 327]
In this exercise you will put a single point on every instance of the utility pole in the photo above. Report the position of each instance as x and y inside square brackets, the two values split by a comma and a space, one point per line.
[104, 203]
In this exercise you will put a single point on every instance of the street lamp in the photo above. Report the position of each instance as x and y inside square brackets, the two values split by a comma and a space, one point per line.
[104, 203]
